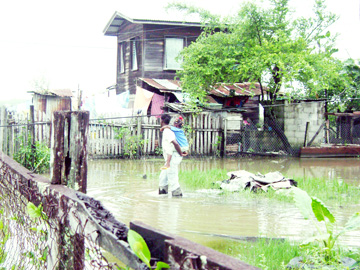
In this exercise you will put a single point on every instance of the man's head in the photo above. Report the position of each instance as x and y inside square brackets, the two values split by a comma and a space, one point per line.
[165, 119]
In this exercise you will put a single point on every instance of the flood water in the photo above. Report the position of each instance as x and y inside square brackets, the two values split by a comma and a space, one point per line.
[205, 215]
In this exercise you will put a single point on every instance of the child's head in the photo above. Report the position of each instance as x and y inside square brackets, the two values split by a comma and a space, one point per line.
[179, 122]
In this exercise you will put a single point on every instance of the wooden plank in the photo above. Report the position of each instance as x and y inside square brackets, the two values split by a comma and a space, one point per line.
[209, 134]
[317, 133]
[201, 140]
[197, 134]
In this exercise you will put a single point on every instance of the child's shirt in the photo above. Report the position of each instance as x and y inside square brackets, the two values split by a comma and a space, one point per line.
[180, 138]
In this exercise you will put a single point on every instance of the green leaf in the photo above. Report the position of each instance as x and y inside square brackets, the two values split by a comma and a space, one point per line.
[34, 212]
[302, 201]
[139, 246]
[321, 211]
[161, 265]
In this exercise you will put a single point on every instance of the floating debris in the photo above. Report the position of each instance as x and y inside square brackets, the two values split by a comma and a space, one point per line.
[241, 180]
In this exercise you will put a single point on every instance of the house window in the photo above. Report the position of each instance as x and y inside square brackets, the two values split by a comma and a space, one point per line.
[173, 47]
[121, 58]
[134, 60]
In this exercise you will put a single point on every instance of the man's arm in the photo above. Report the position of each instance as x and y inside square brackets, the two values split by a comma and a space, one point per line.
[177, 147]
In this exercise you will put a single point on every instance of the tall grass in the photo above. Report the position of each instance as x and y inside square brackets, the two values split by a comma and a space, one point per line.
[331, 191]
[196, 179]
[273, 254]
[263, 253]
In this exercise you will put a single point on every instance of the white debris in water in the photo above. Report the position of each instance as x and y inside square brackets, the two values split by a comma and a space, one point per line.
[240, 180]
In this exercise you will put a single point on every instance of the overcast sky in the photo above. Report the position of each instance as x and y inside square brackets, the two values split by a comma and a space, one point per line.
[62, 42]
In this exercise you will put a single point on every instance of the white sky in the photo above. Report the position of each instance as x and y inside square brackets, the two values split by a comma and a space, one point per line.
[62, 42]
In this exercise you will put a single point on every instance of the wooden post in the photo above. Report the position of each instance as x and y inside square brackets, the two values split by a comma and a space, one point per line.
[3, 123]
[69, 167]
[327, 131]
[306, 133]
[138, 132]
[351, 129]
[222, 127]
[10, 136]
[69, 149]
[225, 134]
[32, 133]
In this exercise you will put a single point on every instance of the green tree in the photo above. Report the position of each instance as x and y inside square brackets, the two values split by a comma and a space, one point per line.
[264, 45]
[343, 91]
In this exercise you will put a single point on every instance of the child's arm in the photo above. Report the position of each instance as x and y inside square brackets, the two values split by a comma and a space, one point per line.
[162, 128]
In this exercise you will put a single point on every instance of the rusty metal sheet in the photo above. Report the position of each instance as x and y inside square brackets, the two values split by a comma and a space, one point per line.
[220, 90]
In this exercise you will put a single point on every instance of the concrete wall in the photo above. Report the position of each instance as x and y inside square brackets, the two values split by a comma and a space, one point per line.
[296, 115]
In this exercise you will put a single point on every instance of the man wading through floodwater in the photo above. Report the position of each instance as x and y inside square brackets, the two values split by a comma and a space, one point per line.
[169, 178]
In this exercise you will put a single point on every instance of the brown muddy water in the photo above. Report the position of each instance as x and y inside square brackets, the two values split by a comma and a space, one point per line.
[205, 216]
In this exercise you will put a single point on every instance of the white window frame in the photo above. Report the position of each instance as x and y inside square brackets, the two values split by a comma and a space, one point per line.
[121, 58]
[172, 47]
[134, 60]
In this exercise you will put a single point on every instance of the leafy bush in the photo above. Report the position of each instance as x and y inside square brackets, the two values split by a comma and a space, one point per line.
[132, 143]
[35, 158]
[323, 220]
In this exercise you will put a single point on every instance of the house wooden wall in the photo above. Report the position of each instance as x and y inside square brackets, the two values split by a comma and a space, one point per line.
[127, 80]
[154, 47]
[150, 52]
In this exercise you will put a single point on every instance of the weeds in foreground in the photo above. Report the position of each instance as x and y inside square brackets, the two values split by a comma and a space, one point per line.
[140, 248]
[263, 253]
[273, 254]
[33, 157]
[324, 221]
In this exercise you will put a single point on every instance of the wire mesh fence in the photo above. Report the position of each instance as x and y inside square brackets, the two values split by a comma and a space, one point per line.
[259, 139]
[46, 228]
[343, 129]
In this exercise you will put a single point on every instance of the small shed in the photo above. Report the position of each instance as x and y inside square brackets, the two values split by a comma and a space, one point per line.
[52, 100]
[237, 97]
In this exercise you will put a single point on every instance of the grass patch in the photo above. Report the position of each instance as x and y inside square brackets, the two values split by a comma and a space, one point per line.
[263, 253]
[196, 179]
[271, 254]
[331, 191]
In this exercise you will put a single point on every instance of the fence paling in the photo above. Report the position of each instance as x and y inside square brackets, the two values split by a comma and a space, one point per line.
[206, 130]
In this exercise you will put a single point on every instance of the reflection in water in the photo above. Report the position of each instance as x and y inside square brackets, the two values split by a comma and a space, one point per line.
[205, 215]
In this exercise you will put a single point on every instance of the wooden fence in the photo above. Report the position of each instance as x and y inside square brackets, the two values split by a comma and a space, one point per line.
[114, 137]
[16, 129]
[142, 135]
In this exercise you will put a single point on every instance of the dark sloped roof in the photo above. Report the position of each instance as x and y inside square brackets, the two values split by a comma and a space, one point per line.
[221, 90]
[112, 27]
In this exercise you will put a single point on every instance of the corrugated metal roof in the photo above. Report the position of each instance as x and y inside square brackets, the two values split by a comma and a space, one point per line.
[221, 90]
[163, 85]
[55, 92]
[112, 27]
[236, 89]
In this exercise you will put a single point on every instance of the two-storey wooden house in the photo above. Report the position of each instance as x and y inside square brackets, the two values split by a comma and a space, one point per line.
[148, 48]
